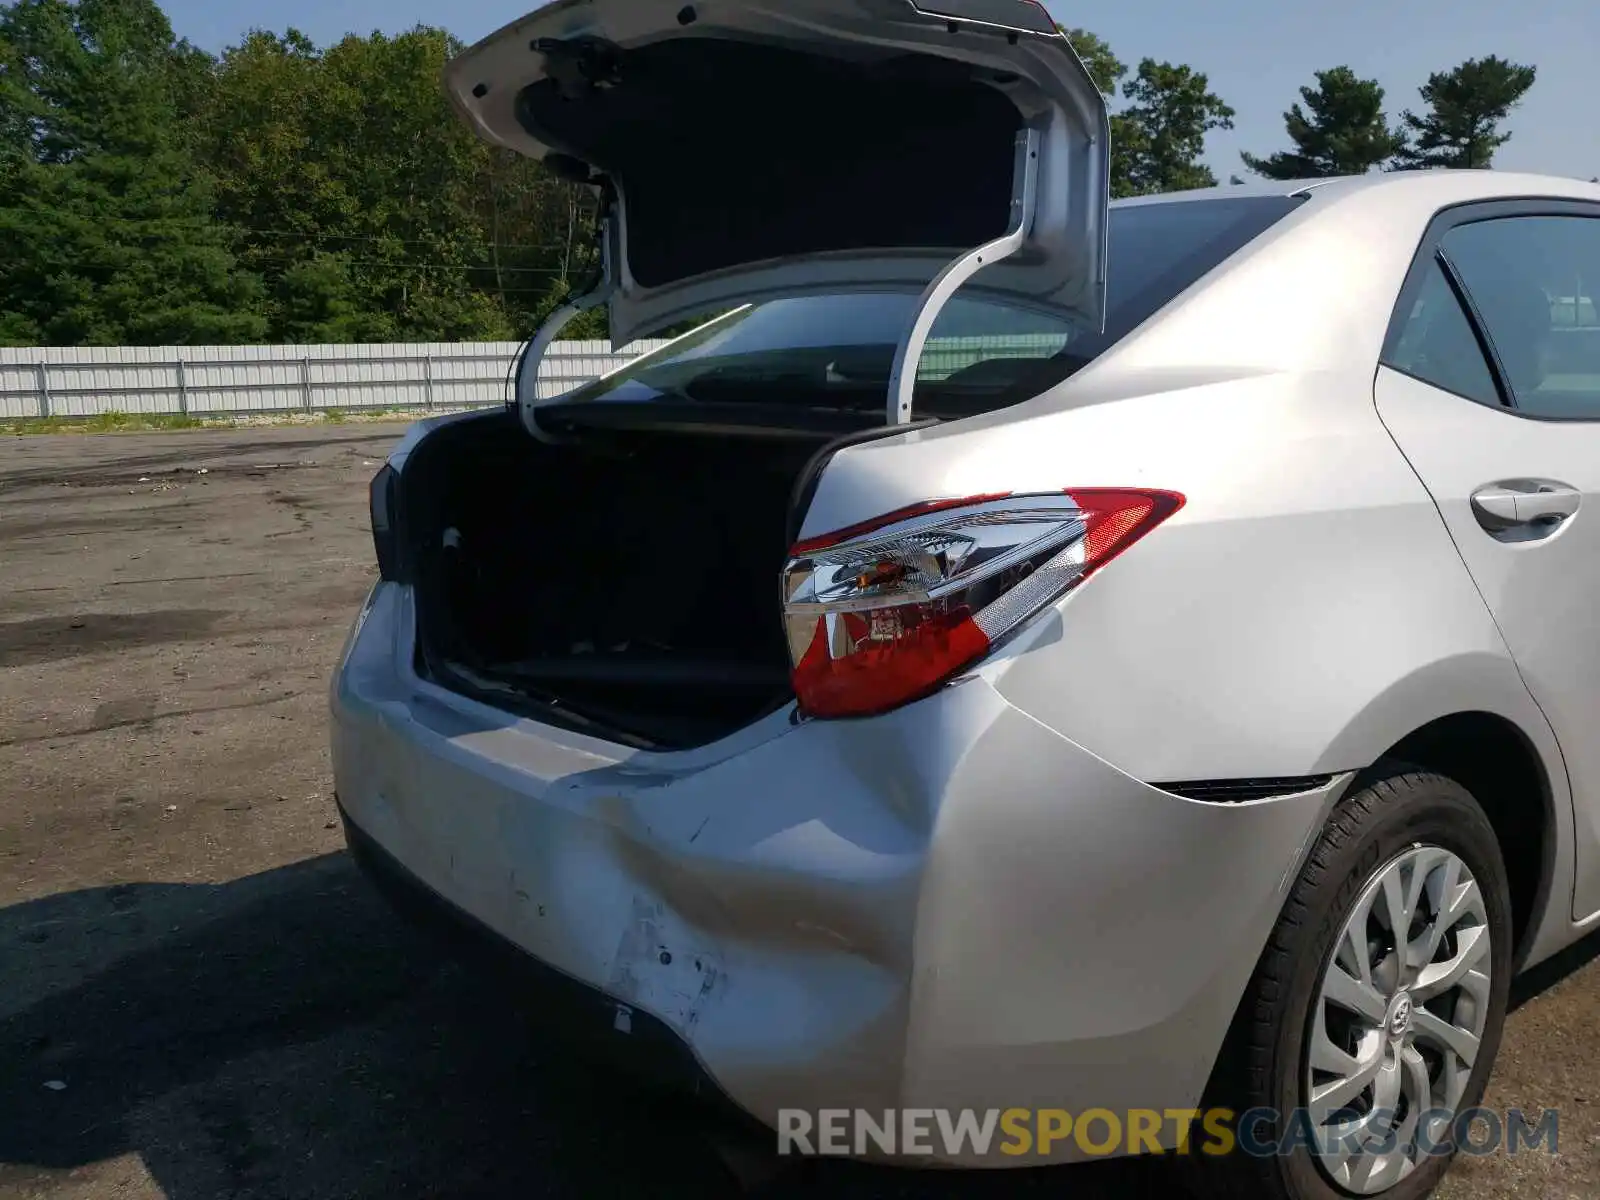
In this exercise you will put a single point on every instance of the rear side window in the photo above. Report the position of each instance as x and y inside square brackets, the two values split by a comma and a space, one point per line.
[1533, 281]
[1157, 249]
[1437, 344]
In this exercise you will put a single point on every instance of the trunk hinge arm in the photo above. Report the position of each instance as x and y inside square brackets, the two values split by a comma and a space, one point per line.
[1024, 193]
[599, 292]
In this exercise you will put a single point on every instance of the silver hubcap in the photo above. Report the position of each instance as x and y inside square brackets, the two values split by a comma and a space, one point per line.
[1397, 1020]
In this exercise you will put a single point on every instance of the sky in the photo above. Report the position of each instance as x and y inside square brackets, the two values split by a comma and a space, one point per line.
[1256, 53]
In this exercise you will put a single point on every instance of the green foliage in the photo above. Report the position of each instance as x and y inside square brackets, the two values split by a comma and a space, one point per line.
[90, 77]
[106, 230]
[1105, 68]
[111, 422]
[289, 192]
[1158, 140]
[366, 202]
[116, 249]
[150, 193]
[1341, 130]
[1465, 108]
[316, 300]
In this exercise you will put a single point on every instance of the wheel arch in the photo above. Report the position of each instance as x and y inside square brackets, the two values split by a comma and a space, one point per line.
[1495, 760]
[1430, 718]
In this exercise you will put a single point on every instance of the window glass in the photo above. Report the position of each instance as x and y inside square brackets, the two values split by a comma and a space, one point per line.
[1534, 281]
[838, 351]
[1437, 344]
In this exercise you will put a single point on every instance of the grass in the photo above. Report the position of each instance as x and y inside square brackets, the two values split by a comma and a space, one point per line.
[112, 422]
[121, 422]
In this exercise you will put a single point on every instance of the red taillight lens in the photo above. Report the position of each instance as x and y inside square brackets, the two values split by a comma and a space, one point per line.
[881, 614]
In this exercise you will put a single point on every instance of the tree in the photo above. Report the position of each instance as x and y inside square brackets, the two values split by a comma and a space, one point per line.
[1465, 108]
[1341, 130]
[1105, 68]
[318, 300]
[1158, 140]
[120, 250]
[368, 204]
[1107, 71]
[292, 192]
[86, 76]
[340, 197]
[106, 229]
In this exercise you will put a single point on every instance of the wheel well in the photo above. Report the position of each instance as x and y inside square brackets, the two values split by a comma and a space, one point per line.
[1490, 757]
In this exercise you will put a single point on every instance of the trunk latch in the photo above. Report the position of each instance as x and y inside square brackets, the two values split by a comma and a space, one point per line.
[578, 65]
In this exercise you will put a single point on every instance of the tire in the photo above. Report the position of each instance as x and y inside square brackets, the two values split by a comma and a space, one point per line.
[1376, 827]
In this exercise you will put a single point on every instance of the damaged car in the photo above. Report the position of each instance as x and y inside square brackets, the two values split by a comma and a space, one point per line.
[1022, 650]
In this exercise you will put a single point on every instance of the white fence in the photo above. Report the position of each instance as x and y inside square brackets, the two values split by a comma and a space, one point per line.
[224, 381]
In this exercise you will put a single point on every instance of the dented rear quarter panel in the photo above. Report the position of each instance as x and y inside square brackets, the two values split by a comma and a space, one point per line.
[925, 909]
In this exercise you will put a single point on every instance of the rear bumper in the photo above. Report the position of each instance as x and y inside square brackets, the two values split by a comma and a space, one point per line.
[572, 1011]
[948, 907]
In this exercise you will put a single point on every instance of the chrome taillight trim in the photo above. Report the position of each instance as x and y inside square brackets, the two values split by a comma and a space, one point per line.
[1057, 550]
[1059, 512]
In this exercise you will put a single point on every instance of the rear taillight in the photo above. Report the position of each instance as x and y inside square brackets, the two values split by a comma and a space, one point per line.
[383, 497]
[882, 613]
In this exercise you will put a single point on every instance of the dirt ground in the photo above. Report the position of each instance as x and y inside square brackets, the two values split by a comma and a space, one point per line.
[198, 996]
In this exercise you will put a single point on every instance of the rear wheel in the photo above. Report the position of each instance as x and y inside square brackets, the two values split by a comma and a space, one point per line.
[1373, 1019]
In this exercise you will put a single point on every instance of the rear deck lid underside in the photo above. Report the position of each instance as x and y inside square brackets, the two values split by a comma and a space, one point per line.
[752, 149]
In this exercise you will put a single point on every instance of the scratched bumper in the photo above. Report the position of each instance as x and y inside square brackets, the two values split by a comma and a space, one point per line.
[950, 906]
[580, 1016]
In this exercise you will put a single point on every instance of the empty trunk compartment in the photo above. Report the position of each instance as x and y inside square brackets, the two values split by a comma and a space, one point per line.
[623, 583]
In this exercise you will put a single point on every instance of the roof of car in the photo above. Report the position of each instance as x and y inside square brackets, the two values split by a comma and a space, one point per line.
[1471, 185]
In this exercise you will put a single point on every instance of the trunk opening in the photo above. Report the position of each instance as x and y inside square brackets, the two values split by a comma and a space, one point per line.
[624, 583]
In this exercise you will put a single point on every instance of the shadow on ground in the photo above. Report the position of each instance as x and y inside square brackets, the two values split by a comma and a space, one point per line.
[284, 1036]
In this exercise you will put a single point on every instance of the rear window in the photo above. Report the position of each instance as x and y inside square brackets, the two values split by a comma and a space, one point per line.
[837, 351]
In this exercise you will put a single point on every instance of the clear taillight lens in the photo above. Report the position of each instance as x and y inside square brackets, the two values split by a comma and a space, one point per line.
[881, 614]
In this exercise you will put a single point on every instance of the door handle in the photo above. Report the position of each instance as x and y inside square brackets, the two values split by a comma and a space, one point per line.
[1521, 502]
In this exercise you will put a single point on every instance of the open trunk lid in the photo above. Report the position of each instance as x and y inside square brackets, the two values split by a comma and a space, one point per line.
[747, 150]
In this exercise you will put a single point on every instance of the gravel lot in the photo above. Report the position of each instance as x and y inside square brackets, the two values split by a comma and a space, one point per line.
[199, 998]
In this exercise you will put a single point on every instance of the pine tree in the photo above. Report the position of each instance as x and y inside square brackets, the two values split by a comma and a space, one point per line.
[1341, 130]
[1465, 108]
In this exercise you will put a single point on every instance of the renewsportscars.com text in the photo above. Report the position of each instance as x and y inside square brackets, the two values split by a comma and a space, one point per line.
[1100, 1132]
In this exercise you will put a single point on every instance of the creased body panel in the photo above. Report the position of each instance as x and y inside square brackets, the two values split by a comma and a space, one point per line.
[924, 910]
[1303, 611]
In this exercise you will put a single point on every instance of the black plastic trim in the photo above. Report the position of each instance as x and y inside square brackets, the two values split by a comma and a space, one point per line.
[1242, 791]
[644, 671]
[386, 519]
[1480, 328]
[708, 419]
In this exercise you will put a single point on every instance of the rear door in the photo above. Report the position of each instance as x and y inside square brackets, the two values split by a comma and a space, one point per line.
[754, 149]
[1491, 386]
